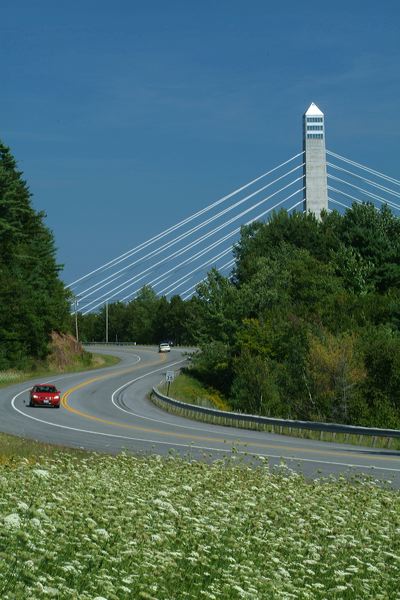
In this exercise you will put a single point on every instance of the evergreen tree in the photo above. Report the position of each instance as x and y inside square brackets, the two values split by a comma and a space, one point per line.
[33, 300]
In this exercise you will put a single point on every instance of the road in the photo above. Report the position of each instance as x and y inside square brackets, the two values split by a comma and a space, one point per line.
[108, 411]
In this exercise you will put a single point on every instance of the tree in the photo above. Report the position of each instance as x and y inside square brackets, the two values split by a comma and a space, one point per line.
[33, 299]
[335, 371]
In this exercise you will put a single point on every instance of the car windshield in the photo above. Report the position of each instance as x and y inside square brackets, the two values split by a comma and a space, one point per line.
[49, 389]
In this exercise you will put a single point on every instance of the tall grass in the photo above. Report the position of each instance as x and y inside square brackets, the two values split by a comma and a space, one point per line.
[151, 528]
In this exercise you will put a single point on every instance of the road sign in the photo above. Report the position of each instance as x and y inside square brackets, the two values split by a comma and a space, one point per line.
[169, 376]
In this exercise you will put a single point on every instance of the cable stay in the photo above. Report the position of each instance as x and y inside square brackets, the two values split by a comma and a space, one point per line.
[207, 235]
[367, 193]
[131, 281]
[208, 249]
[182, 236]
[339, 203]
[368, 181]
[173, 228]
[368, 169]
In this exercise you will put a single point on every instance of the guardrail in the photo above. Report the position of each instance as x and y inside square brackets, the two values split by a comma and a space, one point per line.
[246, 421]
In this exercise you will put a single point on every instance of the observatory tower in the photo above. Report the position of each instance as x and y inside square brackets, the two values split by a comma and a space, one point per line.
[315, 192]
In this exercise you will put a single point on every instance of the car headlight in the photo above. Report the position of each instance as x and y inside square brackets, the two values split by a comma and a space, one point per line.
[56, 397]
[35, 397]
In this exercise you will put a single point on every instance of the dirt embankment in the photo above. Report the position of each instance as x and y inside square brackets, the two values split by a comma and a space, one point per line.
[65, 352]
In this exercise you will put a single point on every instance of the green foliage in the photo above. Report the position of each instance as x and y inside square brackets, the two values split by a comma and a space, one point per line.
[308, 326]
[33, 300]
[311, 318]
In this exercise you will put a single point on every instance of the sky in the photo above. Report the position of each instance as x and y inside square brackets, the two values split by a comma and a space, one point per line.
[126, 117]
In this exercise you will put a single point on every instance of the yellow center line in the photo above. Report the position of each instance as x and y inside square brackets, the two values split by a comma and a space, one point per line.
[191, 437]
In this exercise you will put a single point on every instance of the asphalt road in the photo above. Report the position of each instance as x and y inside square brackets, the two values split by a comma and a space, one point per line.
[108, 411]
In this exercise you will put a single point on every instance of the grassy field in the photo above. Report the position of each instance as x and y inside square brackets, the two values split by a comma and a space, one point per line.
[97, 361]
[85, 526]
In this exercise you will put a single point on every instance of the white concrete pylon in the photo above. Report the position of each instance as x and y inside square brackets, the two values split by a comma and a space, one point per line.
[315, 179]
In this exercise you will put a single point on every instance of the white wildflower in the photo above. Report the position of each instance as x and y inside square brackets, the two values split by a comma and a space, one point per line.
[102, 533]
[12, 521]
[41, 473]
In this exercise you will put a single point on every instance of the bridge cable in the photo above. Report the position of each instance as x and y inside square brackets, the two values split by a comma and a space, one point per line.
[176, 240]
[115, 291]
[181, 251]
[173, 228]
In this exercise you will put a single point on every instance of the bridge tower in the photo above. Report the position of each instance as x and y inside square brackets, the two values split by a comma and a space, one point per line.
[315, 192]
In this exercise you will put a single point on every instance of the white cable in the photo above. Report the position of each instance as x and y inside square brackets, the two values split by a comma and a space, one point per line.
[211, 247]
[82, 295]
[369, 181]
[163, 275]
[189, 246]
[360, 166]
[129, 282]
[370, 194]
[166, 289]
[340, 203]
[155, 238]
[344, 194]
[229, 264]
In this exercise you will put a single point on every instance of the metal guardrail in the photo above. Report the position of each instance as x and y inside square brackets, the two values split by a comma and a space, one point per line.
[256, 422]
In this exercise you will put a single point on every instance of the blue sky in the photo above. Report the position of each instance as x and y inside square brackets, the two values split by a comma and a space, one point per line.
[126, 117]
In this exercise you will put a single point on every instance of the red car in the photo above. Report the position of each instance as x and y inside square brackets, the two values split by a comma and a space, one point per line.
[45, 394]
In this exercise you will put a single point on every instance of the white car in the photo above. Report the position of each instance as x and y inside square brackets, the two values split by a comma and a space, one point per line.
[164, 347]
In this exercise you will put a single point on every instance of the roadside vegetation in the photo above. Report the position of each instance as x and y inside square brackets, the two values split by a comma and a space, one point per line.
[85, 527]
[65, 356]
[188, 389]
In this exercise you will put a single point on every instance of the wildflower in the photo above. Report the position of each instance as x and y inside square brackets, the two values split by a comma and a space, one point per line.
[41, 473]
[12, 521]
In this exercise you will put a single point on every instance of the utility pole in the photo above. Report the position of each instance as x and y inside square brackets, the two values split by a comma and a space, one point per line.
[107, 322]
[76, 320]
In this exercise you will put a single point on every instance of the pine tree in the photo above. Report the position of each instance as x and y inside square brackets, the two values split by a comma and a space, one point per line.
[33, 300]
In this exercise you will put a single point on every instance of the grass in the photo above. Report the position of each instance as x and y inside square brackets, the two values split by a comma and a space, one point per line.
[188, 389]
[90, 527]
[96, 361]
[14, 448]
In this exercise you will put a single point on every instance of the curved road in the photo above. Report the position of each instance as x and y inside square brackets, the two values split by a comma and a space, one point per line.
[107, 410]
